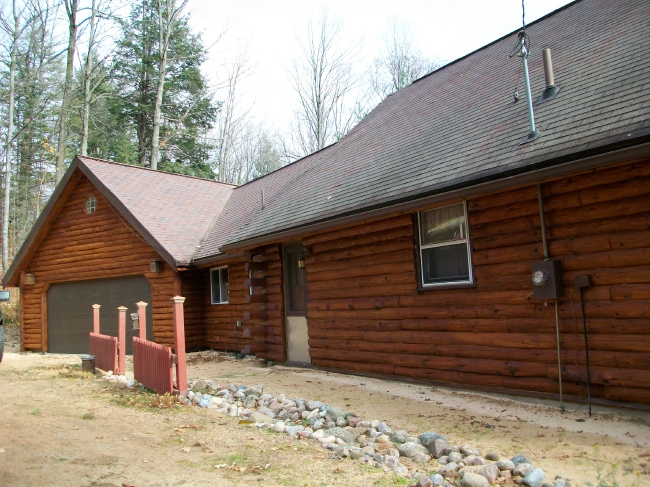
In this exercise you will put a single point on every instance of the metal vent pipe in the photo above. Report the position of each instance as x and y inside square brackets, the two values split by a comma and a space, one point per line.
[548, 67]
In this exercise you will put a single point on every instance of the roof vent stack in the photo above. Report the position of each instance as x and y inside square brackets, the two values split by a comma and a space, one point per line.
[521, 50]
[551, 90]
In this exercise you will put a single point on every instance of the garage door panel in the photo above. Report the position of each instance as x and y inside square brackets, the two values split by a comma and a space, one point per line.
[70, 314]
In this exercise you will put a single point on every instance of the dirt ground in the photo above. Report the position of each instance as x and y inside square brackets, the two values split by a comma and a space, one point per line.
[59, 427]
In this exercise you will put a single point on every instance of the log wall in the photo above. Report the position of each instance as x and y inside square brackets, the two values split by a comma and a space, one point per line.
[78, 246]
[366, 313]
[261, 313]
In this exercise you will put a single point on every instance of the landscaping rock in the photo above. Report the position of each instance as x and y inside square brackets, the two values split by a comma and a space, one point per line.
[429, 436]
[505, 465]
[522, 469]
[450, 467]
[424, 482]
[474, 480]
[490, 472]
[437, 479]
[475, 460]
[311, 405]
[279, 427]
[534, 478]
[384, 428]
[335, 413]
[199, 384]
[421, 457]
[340, 433]
[493, 456]
[437, 447]
[444, 460]
[518, 459]
[455, 457]
[470, 450]
[409, 450]
[399, 436]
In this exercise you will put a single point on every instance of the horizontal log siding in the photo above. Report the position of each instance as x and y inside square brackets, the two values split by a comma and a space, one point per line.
[79, 247]
[366, 314]
[220, 320]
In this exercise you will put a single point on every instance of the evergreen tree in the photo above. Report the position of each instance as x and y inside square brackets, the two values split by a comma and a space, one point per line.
[187, 110]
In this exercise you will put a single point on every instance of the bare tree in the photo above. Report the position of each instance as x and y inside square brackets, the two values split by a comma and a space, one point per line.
[232, 116]
[14, 32]
[167, 16]
[323, 79]
[71, 9]
[92, 77]
[399, 62]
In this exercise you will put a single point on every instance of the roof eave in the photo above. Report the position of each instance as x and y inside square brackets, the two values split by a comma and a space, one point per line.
[616, 152]
[10, 278]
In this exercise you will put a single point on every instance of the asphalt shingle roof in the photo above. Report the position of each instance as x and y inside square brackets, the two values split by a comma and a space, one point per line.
[460, 124]
[176, 210]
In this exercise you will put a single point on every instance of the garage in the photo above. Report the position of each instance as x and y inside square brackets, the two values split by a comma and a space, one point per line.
[70, 314]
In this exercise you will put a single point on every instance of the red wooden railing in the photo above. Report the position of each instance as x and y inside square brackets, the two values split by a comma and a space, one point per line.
[152, 365]
[104, 348]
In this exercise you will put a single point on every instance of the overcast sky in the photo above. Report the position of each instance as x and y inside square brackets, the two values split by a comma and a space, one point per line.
[441, 29]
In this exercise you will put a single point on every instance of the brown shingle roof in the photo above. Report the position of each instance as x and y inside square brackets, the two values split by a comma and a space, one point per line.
[175, 210]
[460, 125]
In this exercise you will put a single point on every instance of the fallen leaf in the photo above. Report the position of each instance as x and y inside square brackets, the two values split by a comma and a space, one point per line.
[99, 437]
[186, 450]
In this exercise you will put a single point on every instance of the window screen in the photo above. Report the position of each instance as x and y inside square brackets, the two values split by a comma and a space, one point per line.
[219, 285]
[444, 246]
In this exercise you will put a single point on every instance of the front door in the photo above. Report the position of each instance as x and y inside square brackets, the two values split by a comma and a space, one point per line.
[295, 296]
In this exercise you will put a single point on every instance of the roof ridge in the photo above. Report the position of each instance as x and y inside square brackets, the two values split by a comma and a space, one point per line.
[155, 170]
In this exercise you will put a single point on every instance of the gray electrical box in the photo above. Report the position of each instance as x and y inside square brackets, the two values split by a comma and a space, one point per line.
[547, 279]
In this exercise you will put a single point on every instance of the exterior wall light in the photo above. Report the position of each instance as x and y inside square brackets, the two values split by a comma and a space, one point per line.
[155, 266]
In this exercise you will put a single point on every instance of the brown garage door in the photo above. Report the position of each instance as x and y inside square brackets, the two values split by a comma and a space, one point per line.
[70, 314]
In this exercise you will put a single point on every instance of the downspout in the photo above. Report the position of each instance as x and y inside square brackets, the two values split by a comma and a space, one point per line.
[557, 315]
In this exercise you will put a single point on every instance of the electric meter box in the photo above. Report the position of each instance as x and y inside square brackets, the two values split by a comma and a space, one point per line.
[547, 279]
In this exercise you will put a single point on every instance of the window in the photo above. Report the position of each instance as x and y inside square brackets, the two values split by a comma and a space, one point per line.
[445, 257]
[91, 204]
[219, 285]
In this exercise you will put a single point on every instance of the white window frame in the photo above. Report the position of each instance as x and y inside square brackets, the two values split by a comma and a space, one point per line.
[91, 204]
[212, 271]
[466, 240]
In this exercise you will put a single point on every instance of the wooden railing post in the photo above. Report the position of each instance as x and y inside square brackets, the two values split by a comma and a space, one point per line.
[142, 319]
[96, 317]
[121, 338]
[179, 344]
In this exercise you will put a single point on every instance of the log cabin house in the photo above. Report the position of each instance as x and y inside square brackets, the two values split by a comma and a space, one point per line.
[405, 249]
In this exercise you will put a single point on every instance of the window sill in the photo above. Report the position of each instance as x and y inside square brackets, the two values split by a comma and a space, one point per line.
[451, 285]
[223, 302]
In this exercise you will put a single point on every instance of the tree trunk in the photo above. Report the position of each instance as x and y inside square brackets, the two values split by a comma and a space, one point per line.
[164, 31]
[71, 7]
[10, 130]
[88, 80]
